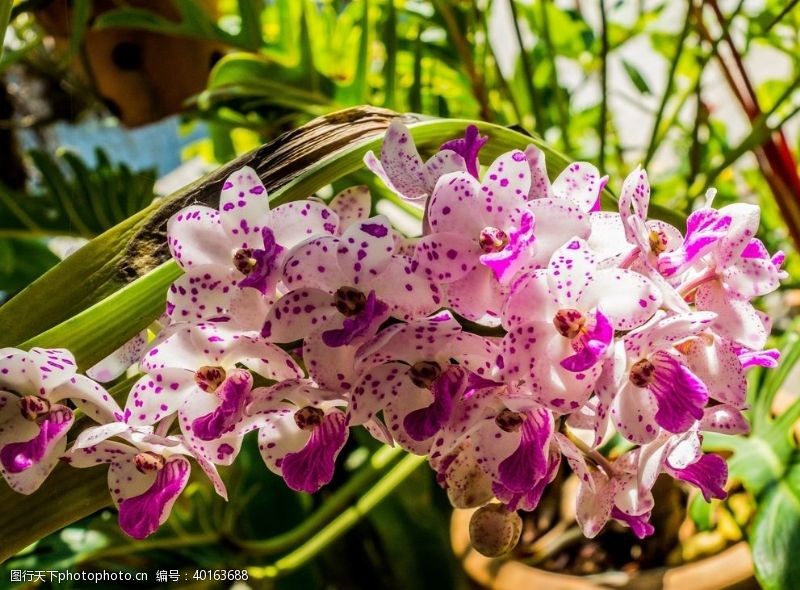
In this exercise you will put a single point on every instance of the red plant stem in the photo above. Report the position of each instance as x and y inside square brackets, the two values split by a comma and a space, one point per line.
[774, 156]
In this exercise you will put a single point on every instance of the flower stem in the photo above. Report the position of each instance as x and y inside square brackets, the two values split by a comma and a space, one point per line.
[591, 453]
[378, 465]
[343, 523]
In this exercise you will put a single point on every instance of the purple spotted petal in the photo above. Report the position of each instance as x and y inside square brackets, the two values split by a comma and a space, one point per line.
[310, 468]
[640, 525]
[680, 394]
[423, 423]
[20, 456]
[703, 229]
[243, 207]
[725, 419]
[234, 393]
[759, 358]
[581, 183]
[590, 346]
[709, 474]
[540, 182]
[506, 263]
[634, 200]
[468, 147]
[363, 324]
[351, 206]
[529, 462]
[264, 275]
[529, 500]
[141, 515]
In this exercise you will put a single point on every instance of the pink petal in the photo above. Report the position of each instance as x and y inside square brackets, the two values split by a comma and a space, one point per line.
[120, 360]
[310, 468]
[506, 182]
[244, 207]
[297, 314]
[540, 182]
[446, 256]
[314, 264]
[25, 463]
[724, 419]
[195, 237]
[580, 182]
[351, 205]
[633, 414]
[204, 292]
[400, 166]
[298, 221]
[140, 516]
[634, 200]
[365, 250]
[627, 298]
[571, 271]
[557, 221]
[736, 320]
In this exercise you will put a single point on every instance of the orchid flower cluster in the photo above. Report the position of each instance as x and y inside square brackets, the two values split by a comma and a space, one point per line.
[524, 329]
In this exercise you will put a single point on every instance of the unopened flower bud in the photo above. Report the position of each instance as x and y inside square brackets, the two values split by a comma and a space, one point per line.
[494, 530]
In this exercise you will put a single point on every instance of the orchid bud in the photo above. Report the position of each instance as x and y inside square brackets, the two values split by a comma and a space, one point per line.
[494, 530]
[468, 486]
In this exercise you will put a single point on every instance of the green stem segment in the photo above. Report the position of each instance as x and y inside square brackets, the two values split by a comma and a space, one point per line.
[5, 19]
[343, 523]
[378, 465]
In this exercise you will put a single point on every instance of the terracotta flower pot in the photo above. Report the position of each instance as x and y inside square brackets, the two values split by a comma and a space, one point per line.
[730, 569]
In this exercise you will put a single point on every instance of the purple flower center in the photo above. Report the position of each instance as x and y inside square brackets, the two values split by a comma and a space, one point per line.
[424, 373]
[308, 418]
[361, 318]
[492, 239]
[569, 322]
[209, 378]
[259, 265]
[148, 462]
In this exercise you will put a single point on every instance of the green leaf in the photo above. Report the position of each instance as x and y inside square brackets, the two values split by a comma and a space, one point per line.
[775, 539]
[22, 260]
[5, 17]
[636, 77]
[701, 513]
